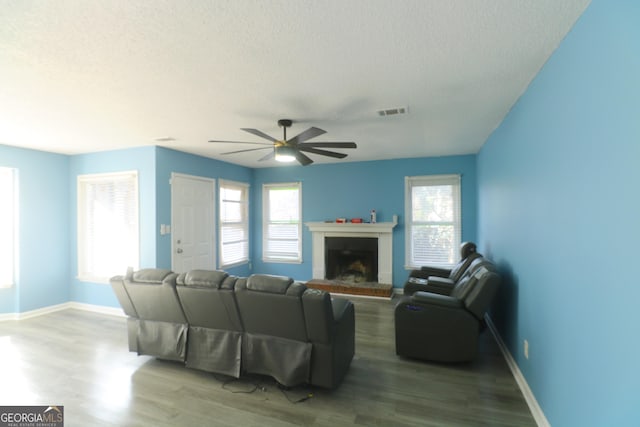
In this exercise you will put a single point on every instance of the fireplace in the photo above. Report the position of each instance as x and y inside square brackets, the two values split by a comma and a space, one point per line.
[379, 234]
[351, 259]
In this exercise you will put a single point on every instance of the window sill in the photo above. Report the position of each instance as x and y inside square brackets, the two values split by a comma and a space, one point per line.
[282, 261]
[234, 264]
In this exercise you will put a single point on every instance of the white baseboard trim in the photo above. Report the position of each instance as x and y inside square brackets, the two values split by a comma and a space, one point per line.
[112, 311]
[34, 313]
[529, 397]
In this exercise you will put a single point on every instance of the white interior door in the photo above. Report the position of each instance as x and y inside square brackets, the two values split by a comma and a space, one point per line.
[192, 223]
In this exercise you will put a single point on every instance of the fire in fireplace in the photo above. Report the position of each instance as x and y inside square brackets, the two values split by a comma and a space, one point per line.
[351, 259]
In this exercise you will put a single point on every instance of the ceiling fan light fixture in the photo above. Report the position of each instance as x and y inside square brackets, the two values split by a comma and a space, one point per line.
[285, 154]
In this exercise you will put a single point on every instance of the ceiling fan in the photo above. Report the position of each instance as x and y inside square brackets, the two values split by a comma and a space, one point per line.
[289, 150]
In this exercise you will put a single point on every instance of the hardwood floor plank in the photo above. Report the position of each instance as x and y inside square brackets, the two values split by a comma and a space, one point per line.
[80, 360]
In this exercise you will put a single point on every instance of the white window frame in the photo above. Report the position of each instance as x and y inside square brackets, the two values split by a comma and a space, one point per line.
[243, 223]
[411, 259]
[122, 246]
[8, 226]
[292, 258]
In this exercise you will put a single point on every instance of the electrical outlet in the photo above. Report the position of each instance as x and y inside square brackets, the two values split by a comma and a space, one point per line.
[526, 349]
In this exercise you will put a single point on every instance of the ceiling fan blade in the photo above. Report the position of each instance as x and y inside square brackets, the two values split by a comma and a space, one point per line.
[312, 132]
[329, 144]
[322, 152]
[242, 142]
[269, 156]
[260, 134]
[244, 151]
[302, 159]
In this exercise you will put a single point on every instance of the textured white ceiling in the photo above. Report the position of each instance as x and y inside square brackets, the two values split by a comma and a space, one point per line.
[81, 76]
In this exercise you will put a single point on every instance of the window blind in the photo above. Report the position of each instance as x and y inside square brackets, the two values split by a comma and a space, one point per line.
[433, 213]
[234, 222]
[282, 234]
[108, 238]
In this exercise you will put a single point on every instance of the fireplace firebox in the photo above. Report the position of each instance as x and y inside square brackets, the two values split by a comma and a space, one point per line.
[351, 259]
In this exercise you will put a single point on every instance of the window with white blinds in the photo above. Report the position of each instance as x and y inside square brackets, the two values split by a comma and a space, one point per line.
[108, 237]
[8, 225]
[281, 222]
[433, 220]
[234, 223]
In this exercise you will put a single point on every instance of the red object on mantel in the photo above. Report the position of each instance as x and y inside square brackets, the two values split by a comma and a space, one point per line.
[356, 220]
[341, 220]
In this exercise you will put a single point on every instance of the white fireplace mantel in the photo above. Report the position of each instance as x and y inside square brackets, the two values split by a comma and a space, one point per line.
[383, 231]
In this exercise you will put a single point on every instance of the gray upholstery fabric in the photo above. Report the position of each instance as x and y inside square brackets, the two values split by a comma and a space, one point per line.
[162, 325]
[117, 284]
[162, 339]
[215, 334]
[286, 360]
[445, 328]
[149, 275]
[214, 350]
[317, 332]
[331, 361]
[203, 278]
[269, 283]
[267, 308]
[263, 324]
[425, 278]
[132, 333]
[210, 307]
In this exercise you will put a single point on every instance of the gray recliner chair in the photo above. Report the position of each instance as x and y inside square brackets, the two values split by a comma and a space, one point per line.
[215, 329]
[442, 279]
[294, 334]
[161, 324]
[445, 328]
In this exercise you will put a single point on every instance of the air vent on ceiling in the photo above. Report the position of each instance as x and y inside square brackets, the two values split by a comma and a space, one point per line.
[393, 111]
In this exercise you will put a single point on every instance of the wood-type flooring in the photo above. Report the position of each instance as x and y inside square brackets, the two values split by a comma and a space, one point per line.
[80, 360]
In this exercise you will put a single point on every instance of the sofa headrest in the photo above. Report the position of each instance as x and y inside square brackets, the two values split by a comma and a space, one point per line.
[269, 283]
[149, 275]
[203, 278]
[466, 249]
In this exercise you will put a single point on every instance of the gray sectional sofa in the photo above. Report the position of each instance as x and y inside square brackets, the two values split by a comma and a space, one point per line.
[220, 323]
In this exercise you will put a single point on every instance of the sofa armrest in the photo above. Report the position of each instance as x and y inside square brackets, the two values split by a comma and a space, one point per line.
[428, 298]
[440, 285]
[435, 271]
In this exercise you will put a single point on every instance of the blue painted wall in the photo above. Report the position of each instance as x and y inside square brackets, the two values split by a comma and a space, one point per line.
[170, 161]
[43, 230]
[351, 190]
[559, 209]
[140, 159]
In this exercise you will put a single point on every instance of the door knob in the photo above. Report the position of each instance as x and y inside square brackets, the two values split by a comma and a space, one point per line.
[179, 251]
